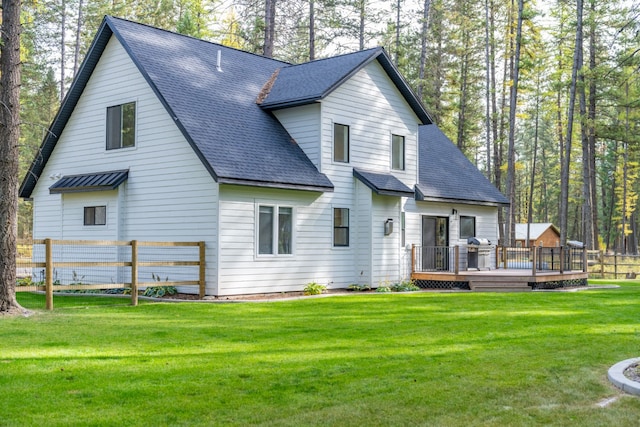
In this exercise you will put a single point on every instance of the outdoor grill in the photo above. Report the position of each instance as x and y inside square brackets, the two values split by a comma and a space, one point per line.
[478, 253]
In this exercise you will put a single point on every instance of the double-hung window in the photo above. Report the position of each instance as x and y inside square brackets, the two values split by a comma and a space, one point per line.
[275, 230]
[95, 215]
[121, 126]
[467, 226]
[340, 143]
[340, 227]
[397, 152]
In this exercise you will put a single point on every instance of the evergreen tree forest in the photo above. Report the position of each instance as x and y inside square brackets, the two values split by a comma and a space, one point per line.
[544, 97]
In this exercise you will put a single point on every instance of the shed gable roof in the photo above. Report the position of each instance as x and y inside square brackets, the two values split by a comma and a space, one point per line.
[236, 140]
[445, 174]
[535, 230]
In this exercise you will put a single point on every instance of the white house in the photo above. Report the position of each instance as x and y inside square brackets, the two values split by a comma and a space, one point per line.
[325, 172]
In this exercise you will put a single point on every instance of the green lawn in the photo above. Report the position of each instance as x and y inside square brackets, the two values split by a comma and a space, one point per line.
[436, 359]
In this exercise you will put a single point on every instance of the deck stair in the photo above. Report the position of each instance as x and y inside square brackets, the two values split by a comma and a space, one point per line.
[498, 284]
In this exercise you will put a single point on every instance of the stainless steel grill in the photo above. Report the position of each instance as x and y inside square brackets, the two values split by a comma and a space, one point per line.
[478, 253]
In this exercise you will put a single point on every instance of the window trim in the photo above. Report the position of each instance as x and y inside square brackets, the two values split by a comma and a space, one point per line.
[403, 166]
[347, 227]
[93, 216]
[473, 218]
[109, 142]
[275, 231]
[348, 143]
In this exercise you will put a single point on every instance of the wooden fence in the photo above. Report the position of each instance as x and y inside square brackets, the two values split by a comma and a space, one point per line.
[125, 259]
[613, 266]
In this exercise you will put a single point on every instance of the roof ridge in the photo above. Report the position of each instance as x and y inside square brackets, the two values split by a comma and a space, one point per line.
[315, 61]
[111, 17]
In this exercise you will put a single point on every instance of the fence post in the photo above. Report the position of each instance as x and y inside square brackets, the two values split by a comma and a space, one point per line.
[413, 258]
[48, 273]
[534, 256]
[203, 271]
[615, 265]
[601, 254]
[456, 252]
[134, 272]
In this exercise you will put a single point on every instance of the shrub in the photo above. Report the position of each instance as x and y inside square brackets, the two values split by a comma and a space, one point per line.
[159, 291]
[382, 289]
[314, 288]
[404, 287]
[358, 287]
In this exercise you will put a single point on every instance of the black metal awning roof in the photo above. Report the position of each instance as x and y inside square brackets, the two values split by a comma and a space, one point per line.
[383, 184]
[101, 181]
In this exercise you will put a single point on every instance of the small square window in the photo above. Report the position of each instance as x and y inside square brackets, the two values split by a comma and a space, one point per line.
[340, 143]
[340, 227]
[121, 126]
[95, 215]
[467, 227]
[397, 152]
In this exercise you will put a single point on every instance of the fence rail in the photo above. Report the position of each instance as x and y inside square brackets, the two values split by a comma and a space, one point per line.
[614, 266]
[106, 261]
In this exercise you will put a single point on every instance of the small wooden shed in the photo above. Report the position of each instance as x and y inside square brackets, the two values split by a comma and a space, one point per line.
[540, 234]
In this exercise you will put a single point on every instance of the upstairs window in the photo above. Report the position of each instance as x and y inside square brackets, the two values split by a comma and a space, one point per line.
[95, 215]
[397, 152]
[121, 126]
[340, 143]
[340, 227]
[275, 235]
[467, 226]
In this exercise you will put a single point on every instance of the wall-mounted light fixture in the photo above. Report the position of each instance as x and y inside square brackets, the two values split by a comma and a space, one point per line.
[454, 212]
[388, 226]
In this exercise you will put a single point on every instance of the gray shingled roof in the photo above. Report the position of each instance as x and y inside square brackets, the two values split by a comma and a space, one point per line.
[383, 184]
[101, 181]
[237, 141]
[445, 173]
[312, 81]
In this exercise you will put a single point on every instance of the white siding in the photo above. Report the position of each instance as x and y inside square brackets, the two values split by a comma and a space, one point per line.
[385, 251]
[303, 124]
[486, 223]
[313, 260]
[168, 189]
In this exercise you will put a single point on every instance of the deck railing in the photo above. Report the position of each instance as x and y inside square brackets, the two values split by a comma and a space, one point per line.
[435, 258]
[538, 259]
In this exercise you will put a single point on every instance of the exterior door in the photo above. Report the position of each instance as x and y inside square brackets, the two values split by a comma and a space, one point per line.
[435, 243]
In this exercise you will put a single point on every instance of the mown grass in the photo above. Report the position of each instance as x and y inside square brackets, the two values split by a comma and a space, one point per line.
[437, 359]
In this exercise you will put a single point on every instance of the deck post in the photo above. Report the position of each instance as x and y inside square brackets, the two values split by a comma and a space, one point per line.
[203, 270]
[561, 259]
[413, 258]
[534, 260]
[456, 251]
[584, 260]
[134, 272]
[504, 257]
[48, 274]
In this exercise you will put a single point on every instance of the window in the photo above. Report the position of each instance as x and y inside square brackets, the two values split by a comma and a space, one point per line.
[340, 227]
[95, 215]
[467, 226]
[121, 126]
[340, 143]
[397, 152]
[272, 231]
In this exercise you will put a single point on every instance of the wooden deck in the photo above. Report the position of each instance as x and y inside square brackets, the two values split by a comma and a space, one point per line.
[503, 280]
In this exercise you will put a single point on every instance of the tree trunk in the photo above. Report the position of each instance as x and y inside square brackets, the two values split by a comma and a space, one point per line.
[363, 6]
[269, 27]
[423, 47]
[9, 139]
[397, 55]
[592, 126]
[535, 158]
[487, 62]
[312, 31]
[511, 154]
[564, 178]
[76, 53]
[63, 42]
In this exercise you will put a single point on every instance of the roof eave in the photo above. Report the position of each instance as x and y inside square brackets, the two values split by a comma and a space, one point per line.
[278, 185]
[421, 197]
